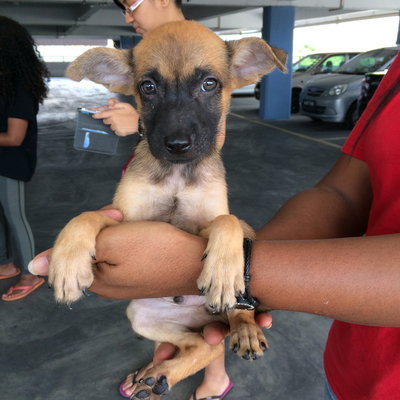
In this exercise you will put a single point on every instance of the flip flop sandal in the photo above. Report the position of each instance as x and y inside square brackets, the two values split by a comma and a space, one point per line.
[28, 289]
[220, 397]
[17, 272]
[121, 389]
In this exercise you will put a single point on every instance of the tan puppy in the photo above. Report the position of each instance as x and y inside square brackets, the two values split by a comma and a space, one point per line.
[182, 76]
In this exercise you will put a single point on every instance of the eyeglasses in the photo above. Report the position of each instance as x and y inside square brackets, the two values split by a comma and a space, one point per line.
[132, 8]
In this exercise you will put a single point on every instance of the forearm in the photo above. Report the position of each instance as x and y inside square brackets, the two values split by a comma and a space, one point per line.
[307, 216]
[351, 279]
[338, 206]
[16, 131]
[148, 260]
[7, 140]
[354, 279]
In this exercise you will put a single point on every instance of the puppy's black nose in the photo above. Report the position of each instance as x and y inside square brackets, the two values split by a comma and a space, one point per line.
[178, 143]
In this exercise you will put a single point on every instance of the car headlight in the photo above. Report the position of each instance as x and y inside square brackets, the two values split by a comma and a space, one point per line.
[337, 90]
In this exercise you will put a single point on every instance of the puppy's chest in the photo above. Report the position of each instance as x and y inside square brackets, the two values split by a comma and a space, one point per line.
[189, 205]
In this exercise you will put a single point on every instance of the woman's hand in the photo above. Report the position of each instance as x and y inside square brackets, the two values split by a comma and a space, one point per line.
[122, 117]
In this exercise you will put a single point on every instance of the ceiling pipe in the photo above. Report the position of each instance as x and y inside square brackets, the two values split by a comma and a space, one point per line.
[341, 6]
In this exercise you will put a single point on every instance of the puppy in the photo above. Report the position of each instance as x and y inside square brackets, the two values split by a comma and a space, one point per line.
[182, 76]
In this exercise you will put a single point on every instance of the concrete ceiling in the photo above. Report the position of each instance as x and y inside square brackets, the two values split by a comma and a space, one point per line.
[101, 19]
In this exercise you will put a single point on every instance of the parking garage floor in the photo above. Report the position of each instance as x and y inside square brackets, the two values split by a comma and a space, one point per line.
[50, 352]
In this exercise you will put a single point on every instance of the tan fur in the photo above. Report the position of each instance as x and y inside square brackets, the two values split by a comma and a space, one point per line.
[192, 197]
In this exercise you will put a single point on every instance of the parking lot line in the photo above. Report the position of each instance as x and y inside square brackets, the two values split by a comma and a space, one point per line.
[288, 131]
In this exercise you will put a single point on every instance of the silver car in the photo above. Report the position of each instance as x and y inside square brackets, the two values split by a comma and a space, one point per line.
[333, 97]
[311, 65]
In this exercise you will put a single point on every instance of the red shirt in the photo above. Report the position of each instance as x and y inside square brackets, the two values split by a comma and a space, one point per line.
[363, 362]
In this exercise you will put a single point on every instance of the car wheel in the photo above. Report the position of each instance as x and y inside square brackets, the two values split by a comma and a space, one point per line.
[351, 116]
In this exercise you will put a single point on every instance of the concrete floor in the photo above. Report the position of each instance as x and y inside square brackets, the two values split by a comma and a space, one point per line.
[49, 352]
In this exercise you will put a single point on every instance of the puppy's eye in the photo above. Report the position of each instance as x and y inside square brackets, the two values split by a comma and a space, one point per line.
[209, 84]
[148, 87]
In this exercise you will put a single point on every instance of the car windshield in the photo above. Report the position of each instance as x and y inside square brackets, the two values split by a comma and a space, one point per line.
[370, 61]
[306, 63]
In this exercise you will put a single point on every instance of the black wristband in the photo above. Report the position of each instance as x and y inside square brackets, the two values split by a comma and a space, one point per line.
[245, 301]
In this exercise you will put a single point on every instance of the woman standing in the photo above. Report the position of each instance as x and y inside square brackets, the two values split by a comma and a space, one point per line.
[23, 76]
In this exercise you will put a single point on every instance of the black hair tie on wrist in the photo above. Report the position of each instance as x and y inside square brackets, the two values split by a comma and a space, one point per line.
[245, 301]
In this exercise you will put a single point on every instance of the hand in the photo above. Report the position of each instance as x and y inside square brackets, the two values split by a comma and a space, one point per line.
[145, 259]
[213, 334]
[40, 263]
[122, 117]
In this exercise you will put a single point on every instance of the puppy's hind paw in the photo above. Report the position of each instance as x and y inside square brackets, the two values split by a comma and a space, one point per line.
[151, 388]
[248, 341]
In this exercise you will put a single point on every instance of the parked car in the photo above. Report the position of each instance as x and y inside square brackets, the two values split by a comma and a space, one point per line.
[307, 67]
[368, 87]
[333, 97]
[245, 91]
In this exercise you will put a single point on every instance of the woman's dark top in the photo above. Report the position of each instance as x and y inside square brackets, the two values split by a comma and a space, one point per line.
[19, 162]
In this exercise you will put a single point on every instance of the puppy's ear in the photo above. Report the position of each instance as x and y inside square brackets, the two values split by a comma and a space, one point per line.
[252, 58]
[110, 67]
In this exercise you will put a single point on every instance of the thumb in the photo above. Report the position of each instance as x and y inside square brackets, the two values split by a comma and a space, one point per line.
[40, 264]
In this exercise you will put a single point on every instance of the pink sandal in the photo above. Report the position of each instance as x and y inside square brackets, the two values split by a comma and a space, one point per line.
[121, 389]
[220, 397]
[28, 289]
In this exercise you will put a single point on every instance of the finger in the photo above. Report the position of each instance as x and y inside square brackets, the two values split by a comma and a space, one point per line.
[40, 264]
[101, 108]
[112, 102]
[112, 213]
[264, 320]
[165, 351]
[214, 333]
[103, 115]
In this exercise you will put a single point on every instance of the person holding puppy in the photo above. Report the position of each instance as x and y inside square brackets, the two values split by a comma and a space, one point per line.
[332, 250]
[143, 16]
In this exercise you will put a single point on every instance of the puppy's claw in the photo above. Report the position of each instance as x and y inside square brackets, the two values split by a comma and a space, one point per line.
[264, 346]
[204, 256]
[85, 292]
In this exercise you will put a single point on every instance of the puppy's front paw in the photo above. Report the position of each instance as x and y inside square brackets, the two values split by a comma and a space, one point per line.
[70, 273]
[70, 270]
[222, 277]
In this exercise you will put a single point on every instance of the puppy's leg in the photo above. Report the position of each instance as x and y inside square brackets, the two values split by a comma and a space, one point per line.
[194, 354]
[246, 338]
[70, 268]
[222, 279]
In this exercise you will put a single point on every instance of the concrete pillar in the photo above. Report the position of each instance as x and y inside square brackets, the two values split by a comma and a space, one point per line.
[275, 91]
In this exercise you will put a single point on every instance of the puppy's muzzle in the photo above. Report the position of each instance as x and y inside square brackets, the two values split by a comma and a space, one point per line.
[178, 143]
